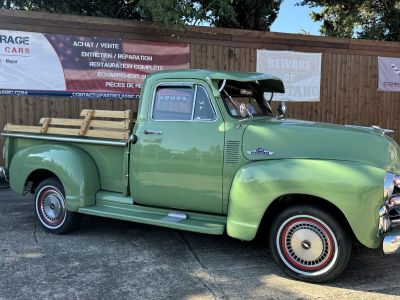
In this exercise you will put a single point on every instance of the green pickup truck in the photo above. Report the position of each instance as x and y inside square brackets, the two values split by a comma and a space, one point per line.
[207, 154]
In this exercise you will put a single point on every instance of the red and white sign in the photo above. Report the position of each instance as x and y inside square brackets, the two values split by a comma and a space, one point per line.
[389, 74]
[54, 64]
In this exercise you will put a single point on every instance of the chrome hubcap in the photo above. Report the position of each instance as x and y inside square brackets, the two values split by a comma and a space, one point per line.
[306, 245]
[50, 206]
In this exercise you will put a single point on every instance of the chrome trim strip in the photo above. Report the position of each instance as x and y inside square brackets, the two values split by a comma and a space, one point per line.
[151, 131]
[65, 139]
[194, 100]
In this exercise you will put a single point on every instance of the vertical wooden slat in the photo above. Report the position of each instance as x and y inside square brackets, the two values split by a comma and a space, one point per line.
[86, 122]
[45, 125]
[324, 105]
[354, 88]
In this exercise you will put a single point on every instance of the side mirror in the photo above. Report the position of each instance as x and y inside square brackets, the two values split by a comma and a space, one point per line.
[282, 109]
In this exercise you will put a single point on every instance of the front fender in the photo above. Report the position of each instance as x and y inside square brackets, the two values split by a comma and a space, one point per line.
[74, 168]
[355, 189]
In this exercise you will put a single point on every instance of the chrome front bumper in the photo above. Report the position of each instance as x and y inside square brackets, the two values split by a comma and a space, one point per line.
[391, 242]
[389, 226]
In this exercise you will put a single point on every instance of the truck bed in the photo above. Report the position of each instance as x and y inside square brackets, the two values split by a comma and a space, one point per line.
[104, 140]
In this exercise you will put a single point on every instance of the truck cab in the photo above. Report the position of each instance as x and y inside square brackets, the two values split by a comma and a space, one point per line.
[188, 127]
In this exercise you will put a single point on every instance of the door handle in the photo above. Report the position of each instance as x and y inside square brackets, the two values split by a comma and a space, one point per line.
[151, 131]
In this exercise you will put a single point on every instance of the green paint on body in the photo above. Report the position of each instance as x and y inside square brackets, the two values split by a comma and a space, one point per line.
[212, 170]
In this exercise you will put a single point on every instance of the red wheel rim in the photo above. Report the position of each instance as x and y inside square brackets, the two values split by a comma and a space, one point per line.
[307, 244]
[50, 206]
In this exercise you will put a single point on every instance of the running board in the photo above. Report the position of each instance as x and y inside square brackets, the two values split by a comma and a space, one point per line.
[196, 222]
[113, 197]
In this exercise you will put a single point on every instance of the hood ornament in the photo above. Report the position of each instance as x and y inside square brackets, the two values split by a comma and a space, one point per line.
[383, 130]
[260, 151]
[373, 127]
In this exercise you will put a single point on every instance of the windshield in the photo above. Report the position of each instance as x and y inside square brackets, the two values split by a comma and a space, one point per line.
[244, 100]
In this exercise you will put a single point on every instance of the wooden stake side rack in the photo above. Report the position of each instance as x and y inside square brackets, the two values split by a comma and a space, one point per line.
[86, 126]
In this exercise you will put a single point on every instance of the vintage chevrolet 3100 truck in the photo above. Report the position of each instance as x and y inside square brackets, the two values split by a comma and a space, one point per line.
[207, 154]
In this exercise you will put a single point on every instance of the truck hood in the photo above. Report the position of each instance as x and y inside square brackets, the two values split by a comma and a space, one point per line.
[266, 139]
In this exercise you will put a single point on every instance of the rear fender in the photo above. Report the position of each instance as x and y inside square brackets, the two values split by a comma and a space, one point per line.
[355, 189]
[74, 168]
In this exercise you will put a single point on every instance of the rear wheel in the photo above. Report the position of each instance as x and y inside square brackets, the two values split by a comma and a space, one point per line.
[51, 209]
[309, 244]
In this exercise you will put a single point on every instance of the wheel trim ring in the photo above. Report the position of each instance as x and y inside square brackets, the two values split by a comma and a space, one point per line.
[299, 271]
[44, 191]
[324, 262]
[43, 194]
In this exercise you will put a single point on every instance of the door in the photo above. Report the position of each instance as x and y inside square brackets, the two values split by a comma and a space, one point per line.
[181, 150]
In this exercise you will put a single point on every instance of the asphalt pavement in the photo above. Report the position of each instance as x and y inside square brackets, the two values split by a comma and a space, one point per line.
[111, 259]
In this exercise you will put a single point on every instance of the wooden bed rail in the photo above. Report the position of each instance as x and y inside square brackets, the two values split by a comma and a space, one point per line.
[86, 126]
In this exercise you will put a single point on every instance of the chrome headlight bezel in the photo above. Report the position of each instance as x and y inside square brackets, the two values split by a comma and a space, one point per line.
[391, 180]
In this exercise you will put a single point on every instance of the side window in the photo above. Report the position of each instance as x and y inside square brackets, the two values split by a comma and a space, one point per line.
[203, 109]
[177, 103]
[173, 103]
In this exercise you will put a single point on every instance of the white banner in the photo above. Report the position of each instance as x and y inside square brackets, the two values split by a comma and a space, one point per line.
[29, 62]
[300, 72]
[389, 74]
[80, 66]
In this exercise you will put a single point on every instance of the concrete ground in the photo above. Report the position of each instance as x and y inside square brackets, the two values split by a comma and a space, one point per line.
[109, 259]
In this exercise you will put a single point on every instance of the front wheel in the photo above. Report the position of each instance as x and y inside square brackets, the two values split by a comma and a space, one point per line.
[51, 209]
[309, 244]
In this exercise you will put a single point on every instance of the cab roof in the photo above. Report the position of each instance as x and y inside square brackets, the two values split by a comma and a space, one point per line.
[268, 82]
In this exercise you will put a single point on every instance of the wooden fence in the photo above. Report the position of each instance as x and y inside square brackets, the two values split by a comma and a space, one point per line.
[349, 92]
